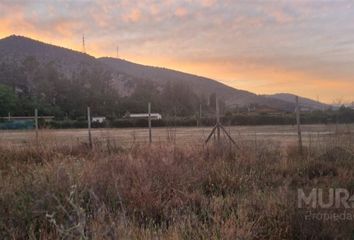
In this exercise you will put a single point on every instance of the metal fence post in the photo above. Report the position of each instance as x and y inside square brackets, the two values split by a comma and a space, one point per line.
[89, 126]
[149, 120]
[298, 124]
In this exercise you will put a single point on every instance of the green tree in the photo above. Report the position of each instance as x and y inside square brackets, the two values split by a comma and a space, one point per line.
[178, 98]
[8, 100]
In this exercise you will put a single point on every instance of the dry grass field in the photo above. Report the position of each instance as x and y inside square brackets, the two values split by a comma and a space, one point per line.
[171, 191]
[286, 134]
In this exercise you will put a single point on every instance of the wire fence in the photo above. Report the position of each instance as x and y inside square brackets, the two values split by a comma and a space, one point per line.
[285, 135]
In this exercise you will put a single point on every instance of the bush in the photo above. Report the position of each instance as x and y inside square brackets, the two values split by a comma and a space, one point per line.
[68, 124]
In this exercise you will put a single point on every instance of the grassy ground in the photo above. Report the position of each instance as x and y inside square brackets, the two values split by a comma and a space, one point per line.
[287, 134]
[168, 191]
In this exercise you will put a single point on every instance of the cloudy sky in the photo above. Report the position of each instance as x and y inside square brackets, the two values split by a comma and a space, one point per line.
[304, 47]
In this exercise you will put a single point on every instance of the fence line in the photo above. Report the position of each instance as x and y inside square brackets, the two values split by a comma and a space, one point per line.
[169, 135]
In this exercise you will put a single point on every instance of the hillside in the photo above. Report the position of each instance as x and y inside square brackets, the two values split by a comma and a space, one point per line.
[304, 102]
[127, 76]
[17, 48]
[200, 85]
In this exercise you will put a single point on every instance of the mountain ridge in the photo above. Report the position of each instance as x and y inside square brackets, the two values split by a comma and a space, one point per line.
[127, 74]
[305, 102]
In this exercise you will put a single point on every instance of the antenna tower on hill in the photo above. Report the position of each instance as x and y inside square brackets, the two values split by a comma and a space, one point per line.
[83, 44]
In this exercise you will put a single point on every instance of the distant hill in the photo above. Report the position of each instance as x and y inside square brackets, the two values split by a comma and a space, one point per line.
[200, 85]
[304, 102]
[126, 75]
[17, 48]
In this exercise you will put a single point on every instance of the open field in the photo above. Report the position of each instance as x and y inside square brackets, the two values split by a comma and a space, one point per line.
[168, 191]
[177, 188]
[286, 134]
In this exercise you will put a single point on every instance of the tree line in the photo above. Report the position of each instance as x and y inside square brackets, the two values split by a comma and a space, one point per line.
[30, 84]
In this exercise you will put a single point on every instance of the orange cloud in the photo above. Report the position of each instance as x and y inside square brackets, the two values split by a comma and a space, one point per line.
[16, 23]
[281, 16]
[181, 12]
[133, 16]
[154, 10]
[208, 3]
[65, 28]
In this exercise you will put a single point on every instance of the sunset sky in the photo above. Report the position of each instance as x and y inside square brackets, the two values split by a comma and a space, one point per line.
[301, 47]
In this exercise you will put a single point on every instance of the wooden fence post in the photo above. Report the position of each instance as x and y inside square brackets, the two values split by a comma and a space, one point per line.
[217, 118]
[200, 115]
[36, 124]
[298, 124]
[218, 127]
[89, 126]
[149, 120]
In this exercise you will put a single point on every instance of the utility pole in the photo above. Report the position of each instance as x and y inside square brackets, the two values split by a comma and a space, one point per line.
[298, 124]
[149, 120]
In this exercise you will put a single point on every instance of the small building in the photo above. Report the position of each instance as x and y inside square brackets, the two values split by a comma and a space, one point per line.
[154, 116]
[98, 119]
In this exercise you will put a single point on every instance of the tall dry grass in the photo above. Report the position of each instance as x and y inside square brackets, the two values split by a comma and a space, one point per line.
[166, 191]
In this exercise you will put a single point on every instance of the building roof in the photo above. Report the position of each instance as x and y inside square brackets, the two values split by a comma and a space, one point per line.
[143, 114]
